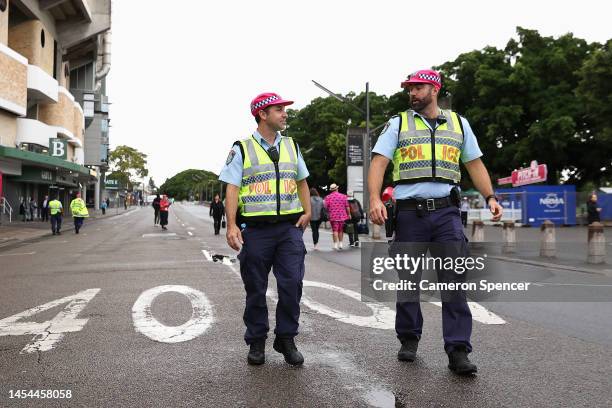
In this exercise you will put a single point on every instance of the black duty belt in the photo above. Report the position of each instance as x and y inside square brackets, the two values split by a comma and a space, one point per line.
[429, 204]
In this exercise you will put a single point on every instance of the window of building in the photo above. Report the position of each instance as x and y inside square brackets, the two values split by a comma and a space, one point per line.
[82, 77]
[33, 147]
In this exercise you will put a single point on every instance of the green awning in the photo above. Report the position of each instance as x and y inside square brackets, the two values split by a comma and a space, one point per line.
[42, 159]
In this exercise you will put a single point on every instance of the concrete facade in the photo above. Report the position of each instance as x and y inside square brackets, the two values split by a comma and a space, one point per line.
[32, 40]
[39, 42]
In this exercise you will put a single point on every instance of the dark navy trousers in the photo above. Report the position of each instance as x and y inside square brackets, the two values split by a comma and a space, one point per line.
[441, 226]
[279, 247]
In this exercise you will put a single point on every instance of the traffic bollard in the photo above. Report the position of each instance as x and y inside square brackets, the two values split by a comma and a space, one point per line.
[597, 244]
[548, 240]
[509, 234]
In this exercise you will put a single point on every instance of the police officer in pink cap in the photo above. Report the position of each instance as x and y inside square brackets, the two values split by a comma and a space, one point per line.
[267, 206]
[426, 145]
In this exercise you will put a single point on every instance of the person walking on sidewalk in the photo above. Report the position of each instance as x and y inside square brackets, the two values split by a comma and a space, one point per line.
[33, 207]
[592, 209]
[23, 210]
[216, 211]
[356, 216]
[55, 212]
[103, 207]
[164, 205]
[155, 206]
[44, 210]
[425, 144]
[316, 206]
[338, 209]
[79, 212]
[465, 209]
[266, 186]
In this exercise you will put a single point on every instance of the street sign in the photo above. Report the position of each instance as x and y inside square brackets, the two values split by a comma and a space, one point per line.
[354, 147]
[58, 148]
[535, 173]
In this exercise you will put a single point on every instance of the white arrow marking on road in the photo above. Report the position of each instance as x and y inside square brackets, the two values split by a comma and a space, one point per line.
[480, 313]
[382, 317]
[50, 332]
[22, 253]
[144, 322]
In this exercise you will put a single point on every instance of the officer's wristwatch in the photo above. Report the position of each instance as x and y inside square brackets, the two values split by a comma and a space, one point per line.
[490, 197]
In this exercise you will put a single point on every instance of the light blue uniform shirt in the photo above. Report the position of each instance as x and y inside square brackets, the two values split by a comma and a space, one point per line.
[232, 171]
[387, 143]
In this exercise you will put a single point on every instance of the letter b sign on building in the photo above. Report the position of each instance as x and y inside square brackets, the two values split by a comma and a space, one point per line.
[58, 148]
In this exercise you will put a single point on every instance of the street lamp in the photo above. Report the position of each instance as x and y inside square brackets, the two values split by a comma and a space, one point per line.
[365, 142]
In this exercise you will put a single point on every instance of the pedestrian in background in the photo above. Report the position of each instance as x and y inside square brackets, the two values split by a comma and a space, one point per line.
[216, 211]
[22, 209]
[465, 209]
[155, 206]
[44, 210]
[32, 207]
[103, 207]
[164, 205]
[338, 209]
[55, 213]
[356, 213]
[316, 206]
[592, 209]
[78, 208]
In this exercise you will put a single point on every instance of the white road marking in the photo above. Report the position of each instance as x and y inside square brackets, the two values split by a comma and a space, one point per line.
[480, 313]
[48, 333]
[207, 255]
[190, 233]
[382, 317]
[19, 254]
[201, 318]
[159, 234]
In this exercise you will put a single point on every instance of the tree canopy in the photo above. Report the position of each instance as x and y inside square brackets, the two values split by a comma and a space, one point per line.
[190, 183]
[127, 163]
[539, 98]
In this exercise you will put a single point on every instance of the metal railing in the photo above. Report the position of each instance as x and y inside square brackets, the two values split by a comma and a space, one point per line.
[6, 208]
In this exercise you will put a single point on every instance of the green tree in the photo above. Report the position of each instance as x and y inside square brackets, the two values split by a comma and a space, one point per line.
[190, 182]
[127, 163]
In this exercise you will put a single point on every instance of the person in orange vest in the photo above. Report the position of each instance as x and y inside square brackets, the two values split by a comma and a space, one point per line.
[164, 204]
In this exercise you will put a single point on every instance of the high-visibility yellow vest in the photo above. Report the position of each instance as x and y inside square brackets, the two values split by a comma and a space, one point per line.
[269, 190]
[426, 155]
[54, 207]
[78, 208]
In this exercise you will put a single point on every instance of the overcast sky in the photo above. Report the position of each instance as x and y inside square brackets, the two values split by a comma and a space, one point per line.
[184, 72]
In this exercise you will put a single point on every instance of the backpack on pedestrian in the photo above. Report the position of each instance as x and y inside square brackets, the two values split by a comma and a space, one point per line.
[356, 211]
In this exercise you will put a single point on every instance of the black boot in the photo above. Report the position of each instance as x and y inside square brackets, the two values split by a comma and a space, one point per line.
[286, 346]
[459, 363]
[257, 353]
[408, 350]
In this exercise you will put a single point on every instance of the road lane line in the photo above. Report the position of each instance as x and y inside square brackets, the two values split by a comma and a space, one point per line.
[19, 254]
[190, 233]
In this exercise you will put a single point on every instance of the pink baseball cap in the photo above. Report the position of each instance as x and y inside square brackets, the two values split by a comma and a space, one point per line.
[424, 76]
[264, 100]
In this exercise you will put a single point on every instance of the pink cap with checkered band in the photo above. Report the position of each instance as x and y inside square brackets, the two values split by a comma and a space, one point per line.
[424, 76]
[264, 100]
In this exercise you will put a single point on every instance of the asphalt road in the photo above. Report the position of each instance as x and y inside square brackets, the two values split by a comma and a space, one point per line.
[125, 315]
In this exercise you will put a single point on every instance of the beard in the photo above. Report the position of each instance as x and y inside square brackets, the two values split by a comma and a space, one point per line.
[420, 104]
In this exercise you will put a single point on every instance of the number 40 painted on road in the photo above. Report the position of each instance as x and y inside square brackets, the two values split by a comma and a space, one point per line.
[48, 334]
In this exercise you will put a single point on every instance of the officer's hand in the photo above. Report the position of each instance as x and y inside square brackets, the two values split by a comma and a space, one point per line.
[234, 237]
[303, 221]
[496, 209]
[378, 211]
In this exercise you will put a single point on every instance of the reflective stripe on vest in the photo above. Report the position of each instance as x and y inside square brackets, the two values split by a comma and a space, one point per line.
[54, 207]
[264, 192]
[413, 160]
[78, 208]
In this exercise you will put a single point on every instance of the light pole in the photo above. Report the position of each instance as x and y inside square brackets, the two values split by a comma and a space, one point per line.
[365, 143]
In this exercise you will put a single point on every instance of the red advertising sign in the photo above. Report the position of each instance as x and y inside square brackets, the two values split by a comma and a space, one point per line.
[535, 173]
